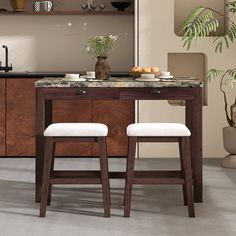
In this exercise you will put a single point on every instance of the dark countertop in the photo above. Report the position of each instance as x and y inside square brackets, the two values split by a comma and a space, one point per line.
[121, 82]
[49, 74]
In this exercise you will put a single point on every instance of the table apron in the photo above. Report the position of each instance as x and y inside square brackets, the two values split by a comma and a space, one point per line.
[120, 93]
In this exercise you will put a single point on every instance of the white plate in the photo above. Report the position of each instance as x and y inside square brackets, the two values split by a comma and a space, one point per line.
[166, 77]
[74, 79]
[168, 80]
[87, 77]
[147, 80]
[95, 80]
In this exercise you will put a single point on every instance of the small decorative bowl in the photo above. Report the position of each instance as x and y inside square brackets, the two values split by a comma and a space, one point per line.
[148, 76]
[138, 74]
[120, 5]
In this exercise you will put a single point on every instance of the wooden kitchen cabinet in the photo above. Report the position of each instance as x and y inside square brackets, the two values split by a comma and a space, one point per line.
[2, 117]
[117, 115]
[20, 135]
[72, 111]
[20, 121]
[20, 117]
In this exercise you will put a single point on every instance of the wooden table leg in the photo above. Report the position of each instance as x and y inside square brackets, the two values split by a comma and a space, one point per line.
[43, 119]
[194, 123]
[198, 164]
[39, 129]
[190, 123]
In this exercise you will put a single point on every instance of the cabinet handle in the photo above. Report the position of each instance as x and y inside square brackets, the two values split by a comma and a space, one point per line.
[81, 92]
[156, 91]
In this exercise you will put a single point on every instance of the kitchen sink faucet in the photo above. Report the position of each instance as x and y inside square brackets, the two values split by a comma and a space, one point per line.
[6, 68]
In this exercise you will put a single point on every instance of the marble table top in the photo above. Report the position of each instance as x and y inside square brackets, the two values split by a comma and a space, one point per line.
[116, 82]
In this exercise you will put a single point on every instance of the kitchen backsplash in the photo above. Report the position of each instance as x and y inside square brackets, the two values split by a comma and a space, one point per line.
[57, 43]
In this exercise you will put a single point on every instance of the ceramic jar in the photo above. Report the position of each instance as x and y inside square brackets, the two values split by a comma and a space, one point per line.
[102, 69]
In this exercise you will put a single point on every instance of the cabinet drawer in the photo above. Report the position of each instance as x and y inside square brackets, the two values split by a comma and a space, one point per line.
[156, 93]
[81, 93]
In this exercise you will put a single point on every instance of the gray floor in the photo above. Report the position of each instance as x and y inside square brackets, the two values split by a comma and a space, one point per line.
[77, 210]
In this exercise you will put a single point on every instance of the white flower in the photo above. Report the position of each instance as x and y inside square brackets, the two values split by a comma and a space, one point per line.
[113, 37]
[88, 49]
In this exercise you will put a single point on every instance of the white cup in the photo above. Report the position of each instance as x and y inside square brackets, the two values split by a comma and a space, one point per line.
[91, 74]
[165, 73]
[72, 76]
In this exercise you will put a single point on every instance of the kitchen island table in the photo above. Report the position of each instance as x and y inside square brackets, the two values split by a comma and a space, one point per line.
[189, 90]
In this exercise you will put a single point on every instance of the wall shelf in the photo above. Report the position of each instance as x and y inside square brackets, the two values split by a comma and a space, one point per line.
[67, 12]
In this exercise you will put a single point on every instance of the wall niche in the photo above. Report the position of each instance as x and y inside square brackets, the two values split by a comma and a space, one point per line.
[188, 65]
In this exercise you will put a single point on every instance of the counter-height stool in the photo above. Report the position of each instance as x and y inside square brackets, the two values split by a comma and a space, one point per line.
[159, 132]
[74, 132]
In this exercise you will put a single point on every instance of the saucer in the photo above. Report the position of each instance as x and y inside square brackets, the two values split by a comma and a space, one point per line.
[74, 79]
[87, 77]
[95, 80]
[166, 77]
[147, 80]
[168, 80]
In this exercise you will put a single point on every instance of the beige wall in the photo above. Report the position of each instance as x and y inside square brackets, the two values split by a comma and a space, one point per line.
[57, 43]
[157, 39]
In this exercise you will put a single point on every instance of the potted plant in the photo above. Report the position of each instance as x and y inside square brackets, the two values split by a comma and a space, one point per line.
[202, 22]
[99, 46]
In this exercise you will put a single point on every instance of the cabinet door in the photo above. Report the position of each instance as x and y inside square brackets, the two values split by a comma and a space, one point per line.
[117, 115]
[2, 117]
[20, 113]
[72, 111]
[21, 119]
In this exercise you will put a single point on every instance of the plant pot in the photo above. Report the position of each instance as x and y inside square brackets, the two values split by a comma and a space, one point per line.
[102, 69]
[229, 139]
[18, 5]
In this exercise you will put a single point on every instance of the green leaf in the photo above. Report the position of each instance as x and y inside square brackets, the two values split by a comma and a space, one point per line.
[219, 47]
[214, 73]
[199, 24]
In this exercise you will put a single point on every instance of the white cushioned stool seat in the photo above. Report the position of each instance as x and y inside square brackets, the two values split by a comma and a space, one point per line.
[76, 130]
[158, 130]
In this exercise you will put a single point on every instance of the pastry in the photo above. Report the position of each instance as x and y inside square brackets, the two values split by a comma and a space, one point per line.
[155, 70]
[147, 70]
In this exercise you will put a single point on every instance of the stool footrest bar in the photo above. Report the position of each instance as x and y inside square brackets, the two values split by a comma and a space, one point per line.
[75, 177]
[158, 177]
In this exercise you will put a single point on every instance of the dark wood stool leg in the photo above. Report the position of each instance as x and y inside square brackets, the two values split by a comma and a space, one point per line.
[51, 172]
[104, 175]
[46, 174]
[108, 171]
[183, 174]
[188, 174]
[129, 175]
[125, 179]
